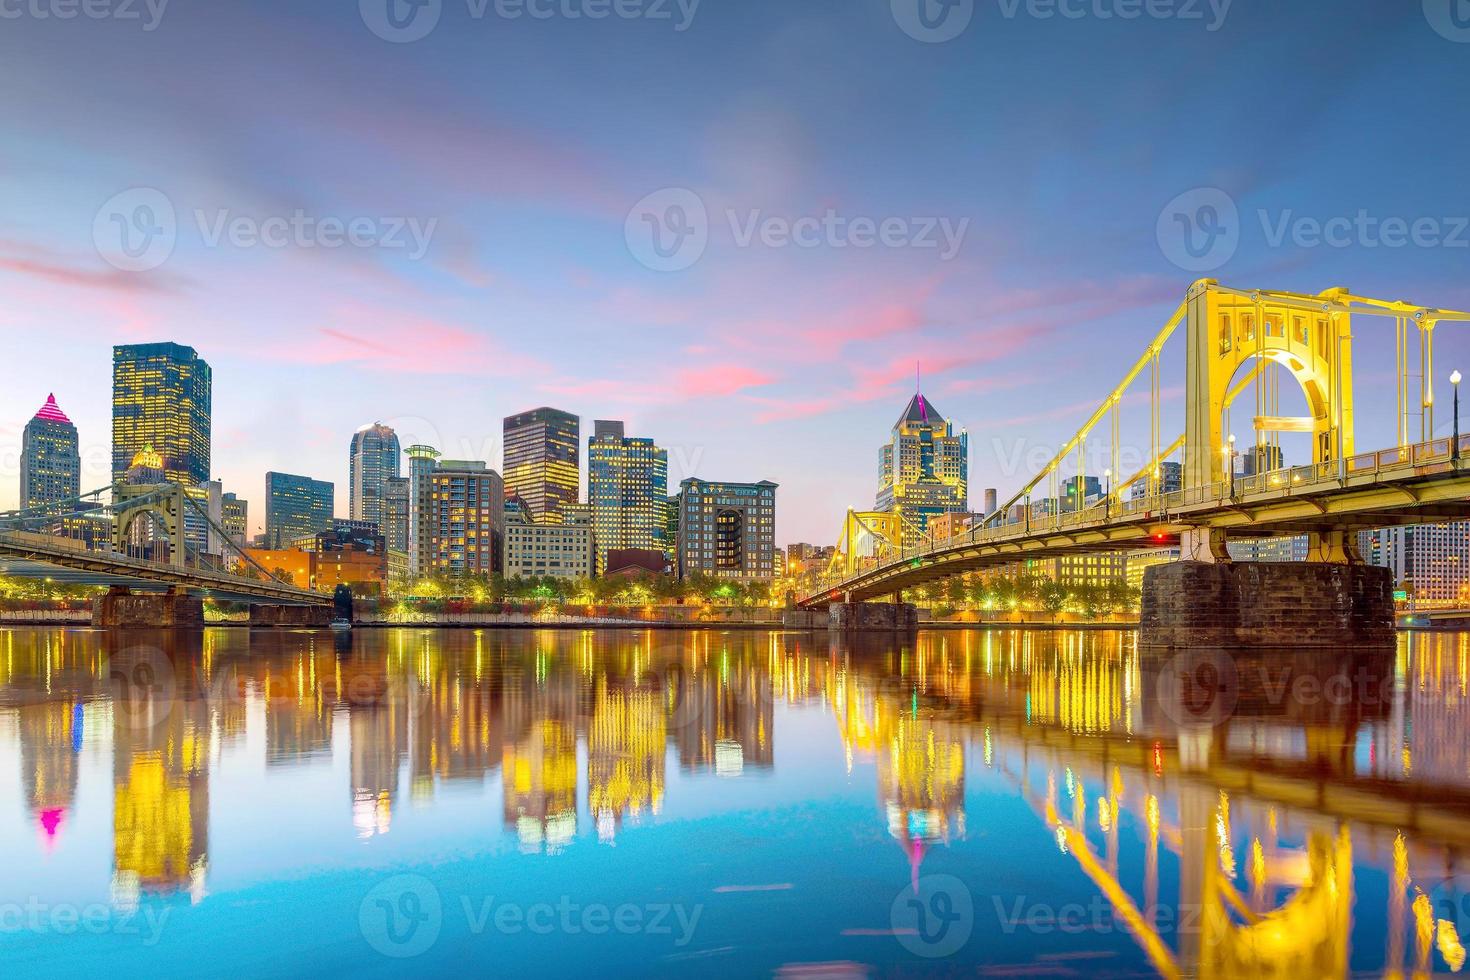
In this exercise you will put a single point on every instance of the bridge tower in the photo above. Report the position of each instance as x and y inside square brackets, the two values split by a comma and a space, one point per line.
[164, 501]
[1231, 340]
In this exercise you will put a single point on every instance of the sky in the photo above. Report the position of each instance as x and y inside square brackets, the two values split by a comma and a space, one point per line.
[735, 224]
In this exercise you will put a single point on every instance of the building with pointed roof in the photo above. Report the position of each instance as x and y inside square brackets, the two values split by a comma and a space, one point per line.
[50, 458]
[923, 470]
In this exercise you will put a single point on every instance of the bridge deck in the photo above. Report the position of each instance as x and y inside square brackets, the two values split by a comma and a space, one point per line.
[1410, 485]
[32, 555]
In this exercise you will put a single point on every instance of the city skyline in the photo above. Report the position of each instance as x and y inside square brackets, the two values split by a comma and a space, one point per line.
[741, 362]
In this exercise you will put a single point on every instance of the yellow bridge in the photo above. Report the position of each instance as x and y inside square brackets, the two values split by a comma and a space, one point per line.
[1232, 338]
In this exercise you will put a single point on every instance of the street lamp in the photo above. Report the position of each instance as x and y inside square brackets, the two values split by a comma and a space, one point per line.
[1107, 495]
[1455, 446]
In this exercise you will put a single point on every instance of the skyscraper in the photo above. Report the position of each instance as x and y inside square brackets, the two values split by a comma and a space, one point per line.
[394, 524]
[372, 460]
[467, 517]
[161, 397]
[923, 470]
[421, 462]
[627, 486]
[50, 458]
[295, 507]
[542, 462]
[727, 529]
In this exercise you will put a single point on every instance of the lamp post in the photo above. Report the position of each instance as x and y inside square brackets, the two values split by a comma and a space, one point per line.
[1455, 446]
[1107, 495]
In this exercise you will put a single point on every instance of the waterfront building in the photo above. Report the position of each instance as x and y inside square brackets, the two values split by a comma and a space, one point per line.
[556, 550]
[1269, 549]
[466, 516]
[627, 488]
[296, 507]
[1430, 562]
[396, 512]
[727, 530]
[1072, 571]
[50, 458]
[235, 518]
[952, 524]
[1170, 480]
[372, 461]
[421, 463]
[1141, 561]
[543, 465]
[923, 470]
[161, 398]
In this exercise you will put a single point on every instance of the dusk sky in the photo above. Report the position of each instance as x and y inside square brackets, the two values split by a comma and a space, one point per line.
[500, 170]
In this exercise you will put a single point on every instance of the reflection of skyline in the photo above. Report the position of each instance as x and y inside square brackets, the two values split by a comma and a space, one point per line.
[1259, 817]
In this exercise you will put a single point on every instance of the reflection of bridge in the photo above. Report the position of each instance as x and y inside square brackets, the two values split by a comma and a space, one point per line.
[1236, 340]
[137, 540]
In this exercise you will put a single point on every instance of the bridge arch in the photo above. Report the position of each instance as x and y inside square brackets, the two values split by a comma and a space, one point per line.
[1232, 338]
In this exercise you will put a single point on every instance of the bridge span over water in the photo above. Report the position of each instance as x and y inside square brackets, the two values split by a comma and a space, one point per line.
[1236, 342]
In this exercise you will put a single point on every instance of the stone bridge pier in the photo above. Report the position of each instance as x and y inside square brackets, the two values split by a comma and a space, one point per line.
[1205, 599]
[121, 608]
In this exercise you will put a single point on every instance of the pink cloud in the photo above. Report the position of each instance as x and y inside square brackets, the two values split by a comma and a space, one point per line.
[718, 380]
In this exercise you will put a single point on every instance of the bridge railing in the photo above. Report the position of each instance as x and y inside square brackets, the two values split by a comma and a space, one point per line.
[1367, 467]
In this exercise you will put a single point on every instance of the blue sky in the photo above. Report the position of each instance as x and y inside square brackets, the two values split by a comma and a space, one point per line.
[499, 171]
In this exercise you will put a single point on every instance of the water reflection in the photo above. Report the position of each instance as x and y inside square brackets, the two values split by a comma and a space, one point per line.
[1262, 797]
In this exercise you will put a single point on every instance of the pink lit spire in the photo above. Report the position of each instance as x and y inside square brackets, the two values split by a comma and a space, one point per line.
[50, 412]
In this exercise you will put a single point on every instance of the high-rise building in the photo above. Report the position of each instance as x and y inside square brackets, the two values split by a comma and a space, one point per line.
[372, 460]
[235, 518]
[727, 530]
[296, 507]
[161, 398]
[421, 463]
[395, 520]
[1071, 500]
[1170, 480]
[542, 462]
[923, 470]
[467, 511]
[1431, 562]
[627, 486]
[50, 458]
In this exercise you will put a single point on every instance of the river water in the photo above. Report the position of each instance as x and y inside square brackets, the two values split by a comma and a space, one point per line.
[623, 803]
